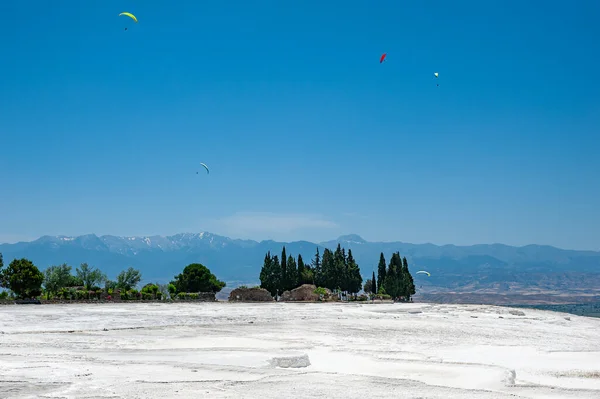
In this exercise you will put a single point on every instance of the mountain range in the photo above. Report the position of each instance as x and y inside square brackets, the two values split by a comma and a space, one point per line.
[483, 268]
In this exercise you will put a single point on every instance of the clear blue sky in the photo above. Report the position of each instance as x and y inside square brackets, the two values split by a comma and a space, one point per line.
[307, 136]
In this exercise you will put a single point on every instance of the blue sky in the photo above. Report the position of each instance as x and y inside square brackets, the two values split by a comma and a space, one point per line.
[307, 136]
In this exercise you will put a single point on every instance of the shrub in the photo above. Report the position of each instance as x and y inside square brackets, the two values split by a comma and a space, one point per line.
[3, 295]
[194, 296]
[110, 291]
[320, 291]
[146, 296]
[182, 295]
[124, 295]
[159, 295]
[81, 295]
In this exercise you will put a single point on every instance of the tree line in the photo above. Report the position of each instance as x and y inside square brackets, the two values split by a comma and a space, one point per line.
[338, 271]
[24, 280]
[394, 280]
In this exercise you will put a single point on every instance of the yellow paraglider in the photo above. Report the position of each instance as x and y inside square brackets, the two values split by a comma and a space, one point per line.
[130, 15]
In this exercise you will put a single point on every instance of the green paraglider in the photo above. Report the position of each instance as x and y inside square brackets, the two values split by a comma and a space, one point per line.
[424, 272]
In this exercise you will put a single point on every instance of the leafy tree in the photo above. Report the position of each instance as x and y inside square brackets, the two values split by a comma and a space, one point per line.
[55, 278]
[150, 289]
[90, 276]
[128, 279]
[23, 278]
[74, 281]
[374, 281]
[381, 271]
[197, 278]
[110, 284]
[172, 290]
[368, 287]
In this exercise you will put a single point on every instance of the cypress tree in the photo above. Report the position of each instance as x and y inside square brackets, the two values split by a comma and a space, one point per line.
[292, 272]
[374, 283]
[317, 269]
[284, 272]
[301, 271]
[266, 275]
[381, 272]
[277, 276]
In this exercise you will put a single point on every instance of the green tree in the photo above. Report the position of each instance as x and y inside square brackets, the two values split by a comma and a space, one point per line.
[409, 288]
[381, 271]
[317, 269]
[74, 281]
[374, 290]
[354, 277]
[285, 279]
[23, 278]
[292, 273]
[323, 279]
[197, 278]
[128, 279]
[110, 284]
[172, 290]
[368, 287]
[1, 270]
[55, 278]
[277, 276]
[338, 275]
[268, 275]
[394, 279]
[300, 274]
[90, 276]
[150, 289]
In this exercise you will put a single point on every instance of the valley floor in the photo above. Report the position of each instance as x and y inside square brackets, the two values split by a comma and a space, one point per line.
[224, 350]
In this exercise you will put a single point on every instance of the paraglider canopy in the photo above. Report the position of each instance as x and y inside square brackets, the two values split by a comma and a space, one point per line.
[205, 167]
[130, 15]
[436, 74]
[382, 57]
[424, 272]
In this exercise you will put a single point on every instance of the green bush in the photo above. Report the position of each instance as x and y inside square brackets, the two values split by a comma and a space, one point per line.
[110, 291]
[159, 295]
[146, 296]
[194, 296]
[3, 295]
[124, 295]
[320, 291]
[81, 295]
[182, 295]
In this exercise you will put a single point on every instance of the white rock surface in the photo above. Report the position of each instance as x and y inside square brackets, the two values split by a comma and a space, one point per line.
[222, 350]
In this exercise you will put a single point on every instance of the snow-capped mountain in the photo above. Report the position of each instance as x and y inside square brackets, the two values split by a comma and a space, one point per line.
[162, 257]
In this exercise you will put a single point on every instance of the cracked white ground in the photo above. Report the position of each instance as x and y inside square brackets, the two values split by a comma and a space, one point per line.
[223, 350]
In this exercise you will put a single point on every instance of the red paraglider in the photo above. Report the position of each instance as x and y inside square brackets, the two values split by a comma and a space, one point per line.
[382, 57]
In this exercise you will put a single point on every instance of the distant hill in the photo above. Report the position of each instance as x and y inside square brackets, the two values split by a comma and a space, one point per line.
[495, 268]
